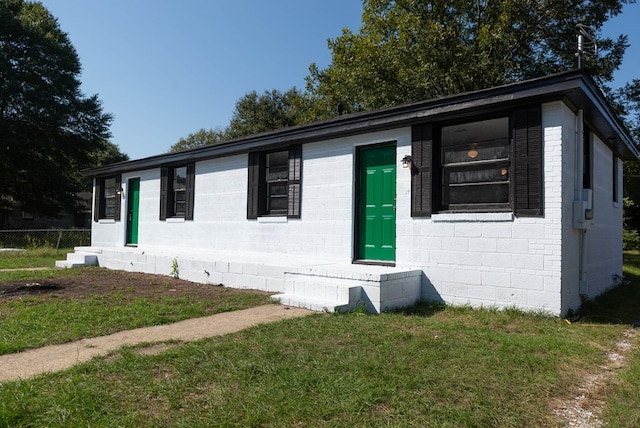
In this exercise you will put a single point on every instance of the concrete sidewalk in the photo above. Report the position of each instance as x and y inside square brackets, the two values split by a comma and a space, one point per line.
[24, 365]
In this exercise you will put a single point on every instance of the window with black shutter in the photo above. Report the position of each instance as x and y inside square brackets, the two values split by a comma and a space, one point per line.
[177, 191]
[488, 165]
[107, 201]
[274, 183]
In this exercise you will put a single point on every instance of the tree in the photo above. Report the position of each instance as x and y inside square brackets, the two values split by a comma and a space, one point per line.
[106, 154]
[410, 50]
[199, 138]
[254, 114]
[627, 103]
[49, 130]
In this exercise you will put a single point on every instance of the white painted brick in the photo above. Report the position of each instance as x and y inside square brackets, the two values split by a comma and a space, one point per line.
[511, 297]
[500, 260]
[483, 244]
[235, 267]
[513, 246]
[496, 230]
[469, 230]
[528, 282]
[483, 293]
[467, 259]
[443, 257]
[528, 230]
[250, 269]
[445, 230]
[543, 299]
[496, 279]
[455, 244]
[471, 277]
[527, 261]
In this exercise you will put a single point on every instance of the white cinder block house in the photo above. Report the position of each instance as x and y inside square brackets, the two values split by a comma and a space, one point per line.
[510, 196]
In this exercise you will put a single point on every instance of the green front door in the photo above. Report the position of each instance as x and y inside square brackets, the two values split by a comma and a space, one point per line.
[133, 202]
[376, 225]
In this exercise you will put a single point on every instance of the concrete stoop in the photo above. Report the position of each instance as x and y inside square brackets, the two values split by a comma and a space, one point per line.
[338, 288]
[79, 258]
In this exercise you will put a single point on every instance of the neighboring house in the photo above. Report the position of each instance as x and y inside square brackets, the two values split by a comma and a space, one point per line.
[511, 196]
[15, 217]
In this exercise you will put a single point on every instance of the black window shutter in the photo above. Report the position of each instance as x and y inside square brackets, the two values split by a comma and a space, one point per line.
[527, 162]
[97, 206]
[164, 189]
[253, 185]
[421, 174]
[295, 181]
[191, 179]
[118, 197]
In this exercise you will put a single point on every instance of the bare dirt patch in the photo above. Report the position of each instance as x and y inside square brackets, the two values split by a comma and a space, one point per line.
[91, 282]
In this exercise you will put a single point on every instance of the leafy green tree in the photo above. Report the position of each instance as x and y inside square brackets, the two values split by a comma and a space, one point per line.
[627, 103]
[200, 138]
[49, 130]
[271, 110]
[106, 154]
[254, 114]
[410, 50]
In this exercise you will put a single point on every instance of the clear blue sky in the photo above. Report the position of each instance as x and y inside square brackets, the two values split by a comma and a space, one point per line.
[165, 69]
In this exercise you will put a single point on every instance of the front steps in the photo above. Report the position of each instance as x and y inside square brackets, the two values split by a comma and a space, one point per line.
[337, 288]
[79, 258]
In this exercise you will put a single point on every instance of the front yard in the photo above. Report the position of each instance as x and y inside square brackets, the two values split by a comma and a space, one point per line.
[427, 366]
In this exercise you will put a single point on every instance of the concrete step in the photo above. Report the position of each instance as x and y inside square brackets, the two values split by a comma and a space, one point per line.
[314, 304]
[78, 259]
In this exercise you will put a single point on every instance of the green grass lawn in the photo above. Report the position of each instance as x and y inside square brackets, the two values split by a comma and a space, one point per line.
[41, 257]
[427, 366]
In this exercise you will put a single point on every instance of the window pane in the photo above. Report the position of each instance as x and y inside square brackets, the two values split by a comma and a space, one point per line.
[277, 189]
[109, 187]
[278, 205]
[473, 132]
[110, 207]
[277, 166]
[277, 197]
[493, 193]
[466, 175]
[478, 151]
[475, 163]
[180, 203]
[109, 197]
[180, 178]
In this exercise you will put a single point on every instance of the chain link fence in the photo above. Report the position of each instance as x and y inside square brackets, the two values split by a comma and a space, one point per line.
[44, 238]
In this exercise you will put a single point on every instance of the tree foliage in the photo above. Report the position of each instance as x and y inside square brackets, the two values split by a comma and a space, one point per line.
[48, 128]
[254, 114]
[199, 138]
[106, 154]
[410, 50]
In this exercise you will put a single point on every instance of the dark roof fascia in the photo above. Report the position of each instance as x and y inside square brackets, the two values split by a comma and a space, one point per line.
[606, 122]
[573, 85]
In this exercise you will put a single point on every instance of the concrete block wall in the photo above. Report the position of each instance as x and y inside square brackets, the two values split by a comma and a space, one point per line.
[207, 268]
[495, 259]
[604, 233]
[481, 259]
[325, 230]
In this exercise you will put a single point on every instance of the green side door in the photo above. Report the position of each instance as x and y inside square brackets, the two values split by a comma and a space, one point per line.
[376, 223]
[133, 202]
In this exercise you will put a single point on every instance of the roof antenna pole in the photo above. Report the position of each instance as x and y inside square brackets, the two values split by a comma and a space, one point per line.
[586, 42]
[580, 52]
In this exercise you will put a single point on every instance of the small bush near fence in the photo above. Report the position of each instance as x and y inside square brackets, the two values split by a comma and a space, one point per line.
[45, 238]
